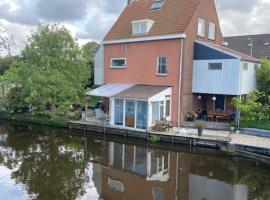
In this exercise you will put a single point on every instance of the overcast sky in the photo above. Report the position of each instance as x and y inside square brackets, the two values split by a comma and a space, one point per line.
[90, 19]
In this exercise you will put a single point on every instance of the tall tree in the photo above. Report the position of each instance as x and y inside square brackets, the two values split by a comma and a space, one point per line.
[263, 77]
[52, 71]
[89, 51]
[6, 41]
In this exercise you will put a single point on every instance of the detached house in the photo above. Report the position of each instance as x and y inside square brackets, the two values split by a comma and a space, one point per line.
[164, 58]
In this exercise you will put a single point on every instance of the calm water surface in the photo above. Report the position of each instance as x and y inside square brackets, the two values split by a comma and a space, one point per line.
[52, 164]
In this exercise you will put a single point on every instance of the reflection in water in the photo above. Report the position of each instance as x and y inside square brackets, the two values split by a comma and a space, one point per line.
[50, 164]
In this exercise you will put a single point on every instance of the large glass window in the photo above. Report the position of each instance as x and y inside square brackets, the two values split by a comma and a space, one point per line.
[161, 112]
[130, 114]
[162, 66]
[220, 102]
[155, 112]
[141, 115]
[118, 111]
[168, 108]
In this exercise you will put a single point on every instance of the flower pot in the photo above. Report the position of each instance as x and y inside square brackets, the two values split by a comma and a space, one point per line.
[200, 131]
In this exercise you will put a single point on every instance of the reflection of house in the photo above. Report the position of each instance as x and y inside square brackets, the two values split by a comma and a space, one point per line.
[136, 172]
[148, 69]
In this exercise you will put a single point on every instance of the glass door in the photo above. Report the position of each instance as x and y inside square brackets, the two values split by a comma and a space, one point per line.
[130, 114]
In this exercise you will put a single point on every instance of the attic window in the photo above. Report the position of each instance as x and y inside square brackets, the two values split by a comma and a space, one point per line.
[141, 26]
[157, 5]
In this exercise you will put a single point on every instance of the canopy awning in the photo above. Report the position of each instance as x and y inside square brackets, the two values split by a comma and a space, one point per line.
[109, 90]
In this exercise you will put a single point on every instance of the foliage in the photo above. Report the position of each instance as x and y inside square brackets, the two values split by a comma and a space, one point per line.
[191, 116]
[255, 108]
[53, 71]
[154, 139]
[263, 77]
[6, 41]
[6, 62]
[89, 51]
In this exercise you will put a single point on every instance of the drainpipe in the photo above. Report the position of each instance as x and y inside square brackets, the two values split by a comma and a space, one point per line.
[180, 84]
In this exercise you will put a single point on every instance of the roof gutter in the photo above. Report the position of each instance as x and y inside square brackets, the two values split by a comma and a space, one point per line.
[144, 39]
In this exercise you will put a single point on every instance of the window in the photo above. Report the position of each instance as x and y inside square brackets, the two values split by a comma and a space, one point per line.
[245, 67]
[141, 26]
[157, 5]
[212, 31]
[162, 66]
[256, 67]
[118, 63]
[118, 112]
[161, 110]
[215, 66]
[168, 108]
[201, 27]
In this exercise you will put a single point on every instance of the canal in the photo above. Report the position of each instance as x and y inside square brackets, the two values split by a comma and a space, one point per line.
[56, 164]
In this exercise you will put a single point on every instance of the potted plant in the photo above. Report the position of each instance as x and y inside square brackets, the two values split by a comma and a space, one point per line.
[191, 116]
[200, 126]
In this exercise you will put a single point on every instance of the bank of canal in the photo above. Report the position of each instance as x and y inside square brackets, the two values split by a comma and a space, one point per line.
[46, 163]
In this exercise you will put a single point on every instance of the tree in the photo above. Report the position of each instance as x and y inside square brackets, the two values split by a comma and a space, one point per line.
[89, 51]
[53, 71]
[263, 77]
[255, 108]
[5, 41]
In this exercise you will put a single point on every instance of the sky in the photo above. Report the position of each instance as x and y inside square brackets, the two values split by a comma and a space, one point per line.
[89, 20]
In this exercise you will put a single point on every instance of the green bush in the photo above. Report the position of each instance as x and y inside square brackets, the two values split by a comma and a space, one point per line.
[154, 139]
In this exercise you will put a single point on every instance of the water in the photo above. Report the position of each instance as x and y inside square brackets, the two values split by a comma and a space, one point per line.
[52, 164]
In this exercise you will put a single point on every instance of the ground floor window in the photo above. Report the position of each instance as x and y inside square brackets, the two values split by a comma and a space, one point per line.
[141, 115]
[130, 114]
[118, 112]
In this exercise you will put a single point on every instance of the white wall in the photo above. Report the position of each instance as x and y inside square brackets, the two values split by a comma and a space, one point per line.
[99, 67]
[248, 80]
[225, 81]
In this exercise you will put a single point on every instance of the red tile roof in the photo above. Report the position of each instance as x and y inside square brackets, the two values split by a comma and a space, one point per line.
[172, 18]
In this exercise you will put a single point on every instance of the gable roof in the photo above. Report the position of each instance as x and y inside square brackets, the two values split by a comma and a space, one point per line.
[261, 44]
[229, 52]
[177, 12]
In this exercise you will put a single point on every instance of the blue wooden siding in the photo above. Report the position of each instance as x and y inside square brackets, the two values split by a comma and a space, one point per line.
[202, 52]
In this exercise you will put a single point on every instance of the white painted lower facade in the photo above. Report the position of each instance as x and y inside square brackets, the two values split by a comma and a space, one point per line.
[232, 79]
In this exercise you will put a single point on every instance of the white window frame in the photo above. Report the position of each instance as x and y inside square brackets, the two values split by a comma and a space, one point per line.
[245, 66]
[147, 22]
[201, 33]
[118, 67]
[157, 70]
[212, 31]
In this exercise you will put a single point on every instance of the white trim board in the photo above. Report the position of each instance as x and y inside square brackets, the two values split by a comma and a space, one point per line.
[143, 39]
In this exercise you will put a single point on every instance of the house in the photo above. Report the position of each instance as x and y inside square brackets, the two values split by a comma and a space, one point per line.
[257, 46]
[164, 58]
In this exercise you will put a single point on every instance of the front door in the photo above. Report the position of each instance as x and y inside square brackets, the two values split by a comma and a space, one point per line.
[130, 114]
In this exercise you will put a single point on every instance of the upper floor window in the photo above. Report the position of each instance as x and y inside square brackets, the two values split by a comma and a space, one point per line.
[162, 66]
[245, 66]
[201, 27]
[141, 26]
[157, 5]
[215, 66]
[118, 63]
[212, 31]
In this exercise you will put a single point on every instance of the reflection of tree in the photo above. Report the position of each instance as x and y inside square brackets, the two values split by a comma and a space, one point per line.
[51, 167]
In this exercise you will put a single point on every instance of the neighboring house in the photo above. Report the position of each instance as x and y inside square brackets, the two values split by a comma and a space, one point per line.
[163, 58]
[257, 46]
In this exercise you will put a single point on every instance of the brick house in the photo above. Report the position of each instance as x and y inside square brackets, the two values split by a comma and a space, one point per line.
[164, 58]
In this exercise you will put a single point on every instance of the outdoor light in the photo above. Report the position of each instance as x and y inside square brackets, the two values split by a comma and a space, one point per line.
[199, 97]
[214, 98]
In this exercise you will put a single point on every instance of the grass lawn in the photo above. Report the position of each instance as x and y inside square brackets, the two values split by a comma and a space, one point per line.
[42, 119]
[264, 124]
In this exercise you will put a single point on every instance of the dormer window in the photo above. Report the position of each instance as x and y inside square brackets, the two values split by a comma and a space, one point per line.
[141, 26]
[157, 5]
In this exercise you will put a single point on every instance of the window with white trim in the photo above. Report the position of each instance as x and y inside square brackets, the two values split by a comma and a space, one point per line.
[215, 66]
[157, 5]
[212, 31]
[118, 63]
[141, 26]
[162, 65]
[201, 27]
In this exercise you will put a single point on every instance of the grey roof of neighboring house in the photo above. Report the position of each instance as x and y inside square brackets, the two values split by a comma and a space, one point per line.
[261, 44]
